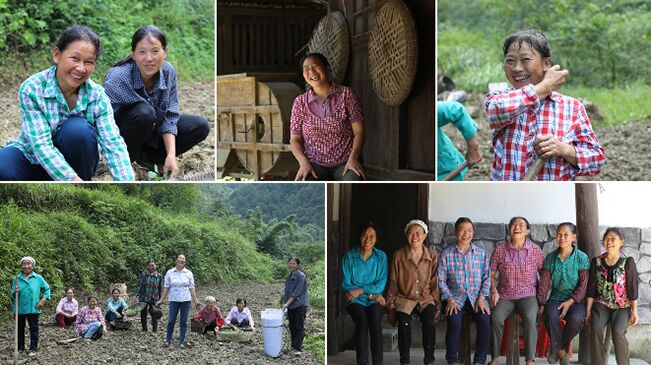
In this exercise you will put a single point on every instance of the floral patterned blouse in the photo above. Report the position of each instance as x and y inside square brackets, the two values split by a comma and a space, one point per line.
[613, 286]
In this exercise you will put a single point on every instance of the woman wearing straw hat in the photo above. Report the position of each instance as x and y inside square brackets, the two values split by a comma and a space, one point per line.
[32, 292]
[413, 288]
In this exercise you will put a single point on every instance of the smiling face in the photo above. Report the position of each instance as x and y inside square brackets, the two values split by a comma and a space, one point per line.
[116, 294]
[464, 233]
[70, 294]
[75, 64]
[565, 237]
[368, 239]
[415, 236]
[92, 303]
[149, 55]
[292, 265]
[27, 267]
[151, 267]
[315, 72]
[180, 261]
[518, 229]
[240, 306]
[523, 65]
[613, 242]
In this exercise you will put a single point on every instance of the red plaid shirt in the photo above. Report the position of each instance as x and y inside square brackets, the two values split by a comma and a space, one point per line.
[517, 117]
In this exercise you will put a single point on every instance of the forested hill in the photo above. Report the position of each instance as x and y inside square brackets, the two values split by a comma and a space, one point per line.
[276, 200]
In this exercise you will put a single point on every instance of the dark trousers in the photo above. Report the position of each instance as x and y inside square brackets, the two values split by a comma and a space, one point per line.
[333, 173]
[574, 320]
[244, 323]
[75, 139]
[210, 327]
[296, 318]
[137, 123]
[367, 319]
[32, 319]
[453, 334]
[427, 316]
[111, 316]
[618, 319]
[143, 318]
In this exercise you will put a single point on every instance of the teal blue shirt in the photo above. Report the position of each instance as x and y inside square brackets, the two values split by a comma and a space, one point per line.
[113, 305]
[30, 293]
[565, 274]
[448, 156]
[370, 275]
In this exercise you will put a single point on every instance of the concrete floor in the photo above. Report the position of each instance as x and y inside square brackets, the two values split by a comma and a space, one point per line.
[390, 358]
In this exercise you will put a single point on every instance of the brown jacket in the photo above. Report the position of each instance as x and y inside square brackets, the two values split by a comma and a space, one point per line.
[413, 285]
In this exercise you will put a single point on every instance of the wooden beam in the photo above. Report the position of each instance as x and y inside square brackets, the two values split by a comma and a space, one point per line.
[587, 223]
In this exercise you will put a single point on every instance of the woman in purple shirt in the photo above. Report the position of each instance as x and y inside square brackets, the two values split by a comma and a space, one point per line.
[66, 312]
[327, 128]
[518, 262]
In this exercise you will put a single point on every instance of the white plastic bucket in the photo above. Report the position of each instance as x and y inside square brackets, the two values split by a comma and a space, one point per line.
[272, 330]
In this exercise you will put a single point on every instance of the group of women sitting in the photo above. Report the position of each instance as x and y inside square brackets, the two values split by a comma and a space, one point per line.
[133, 118]
[564, 286]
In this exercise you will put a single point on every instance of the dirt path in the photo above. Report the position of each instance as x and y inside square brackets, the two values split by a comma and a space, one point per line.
[197, 98]
[135, 347]
[627, 147]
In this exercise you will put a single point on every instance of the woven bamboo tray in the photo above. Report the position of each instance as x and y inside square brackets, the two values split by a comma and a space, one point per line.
[331, 39]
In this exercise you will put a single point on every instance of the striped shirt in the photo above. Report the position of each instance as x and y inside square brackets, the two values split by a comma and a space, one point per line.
[150, 287]
[43, 109]
[518, 269]
[328, 140]
[124, 86]
[87, 316]
[464, 276]
[517, 117]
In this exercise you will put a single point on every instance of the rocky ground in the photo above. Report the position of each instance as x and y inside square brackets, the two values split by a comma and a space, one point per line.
[196, 98]
[627, 146]
[136, 347]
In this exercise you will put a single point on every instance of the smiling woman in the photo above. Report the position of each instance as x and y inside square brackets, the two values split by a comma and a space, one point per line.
[65, 115]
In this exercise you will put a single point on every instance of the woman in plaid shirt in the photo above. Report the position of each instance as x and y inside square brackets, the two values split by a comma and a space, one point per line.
[464, 282]
[531, 120]
[65, 115]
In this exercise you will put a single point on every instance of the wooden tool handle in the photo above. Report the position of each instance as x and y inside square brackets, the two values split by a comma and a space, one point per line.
[535, 169]
[457, 170]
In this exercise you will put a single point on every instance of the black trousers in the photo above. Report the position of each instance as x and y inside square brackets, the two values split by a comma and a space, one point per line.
[143, 318]
[367, 320]
[296, 318]
[137, 123]
[427, 316]
[32, 319]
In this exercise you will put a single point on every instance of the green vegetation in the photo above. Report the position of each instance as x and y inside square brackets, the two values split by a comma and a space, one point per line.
[316, 345]
[29, 29]
[604, 44]
[93, 235]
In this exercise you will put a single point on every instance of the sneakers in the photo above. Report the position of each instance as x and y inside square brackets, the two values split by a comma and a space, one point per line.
[182, 346]
[167, 344]
[32, 353]
[552, 358]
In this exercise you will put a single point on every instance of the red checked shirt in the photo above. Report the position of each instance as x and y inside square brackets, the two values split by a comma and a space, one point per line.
[326, 125]
[517, 117]
[517, 269]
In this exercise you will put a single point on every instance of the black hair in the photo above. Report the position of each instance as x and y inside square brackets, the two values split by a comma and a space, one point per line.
[71, 288]
[150, 261]
[79, 33]
[570, 225]
[114, 289]
[296, 259]
[140, 34]
[370, 224]
[240, 300]
[463, 220]
[614, 230]
[516, 218]
[323, 59]
[92, 297]
[533, 37]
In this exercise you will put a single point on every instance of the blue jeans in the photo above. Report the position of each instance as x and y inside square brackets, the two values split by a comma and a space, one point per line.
[453, 334]
[175, 307]
[76, 139]
[92, 328]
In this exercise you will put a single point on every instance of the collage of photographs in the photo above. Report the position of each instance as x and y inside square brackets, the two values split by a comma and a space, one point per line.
[325, 182]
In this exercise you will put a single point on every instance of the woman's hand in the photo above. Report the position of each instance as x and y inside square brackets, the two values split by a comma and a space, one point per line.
[553, 80]
[634, 317]
[564, 307]
[16, 288]
[40, 304]
[379, 299]
[495, 297]
[304, 171]
[391, 317]
[170, 166]
[451, 307]
[547, 146]
[77, 178]
[352, 294]
[473, 156]
[158, 303]
[481, 306]
[587, 317]
[353, 165]
[541, 311]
